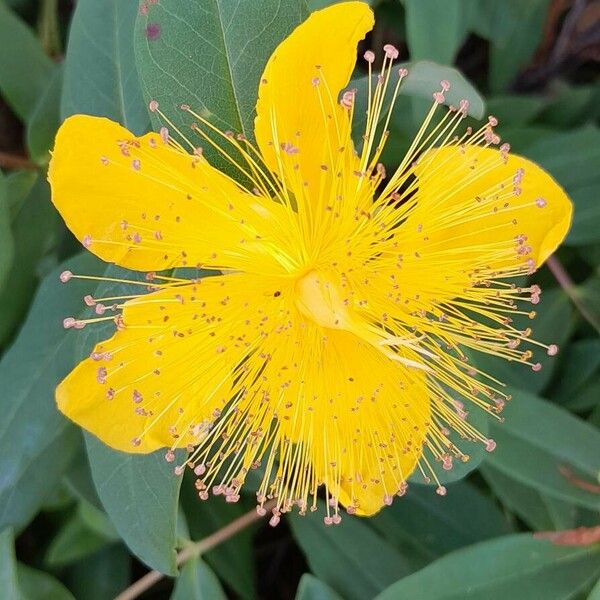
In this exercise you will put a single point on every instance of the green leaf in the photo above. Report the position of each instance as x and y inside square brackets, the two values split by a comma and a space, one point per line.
[515, 566]
[7, 243]
[25, 70]
[511, 52]
[571, 106]
[514, 110]
[37, 585]
[36, 442]
[100, 74]
[595, 593]
[431, 37]
[526, 502]
[44, 120]
[197, 582]
[232, 560]
[538, 440]
[350, 557]
[310, 588]
[210, 55]
[427, 526]
[18, 187]
[97, 521]
[8, 567]
[553, 324]
[75, 541]
[578, 372]
[139, 493]
[35, 227]
[102, 575]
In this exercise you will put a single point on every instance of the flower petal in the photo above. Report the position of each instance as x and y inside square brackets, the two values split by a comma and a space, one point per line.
[142, 204]
[165, 375]
[476, 200]
[298, 108]
[359, 419]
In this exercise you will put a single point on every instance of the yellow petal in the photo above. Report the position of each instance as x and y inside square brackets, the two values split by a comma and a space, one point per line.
[142, 204]
[296, 112]
[359, 418]
[473, 199]
[160, 379]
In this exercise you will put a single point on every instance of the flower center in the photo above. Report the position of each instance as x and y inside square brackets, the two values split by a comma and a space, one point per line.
[320, 299]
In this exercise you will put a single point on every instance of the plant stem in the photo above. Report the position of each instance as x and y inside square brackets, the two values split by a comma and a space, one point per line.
[566, 283]
[193, 550]
[14, 161]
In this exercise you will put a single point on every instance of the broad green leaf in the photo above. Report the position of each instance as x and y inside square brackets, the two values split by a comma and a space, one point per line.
[44, 120]
[210, 55]
[36, 442]
[514, 110]
[35, 228]
[25, 70]
[75, 541]
[37, 585]
[526, 502]
[588, 296]
[435, 29]
[553, 324]
[427, 526]
[197, 582]
[310, 588]
[79, 480]
[18, 187]
[102, 575]
[595, 593]
[538, 441]
[578, 374]
[511, 53]
[350, 557]
[571, 105]
[96, 520]
[139, 493]
[7, 243]
[515, 566]
[232, 560]
[8, 567]
[100, 74]
[474, 450]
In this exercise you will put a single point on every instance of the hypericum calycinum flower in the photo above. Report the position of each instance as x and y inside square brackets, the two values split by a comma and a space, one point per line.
[331, 349]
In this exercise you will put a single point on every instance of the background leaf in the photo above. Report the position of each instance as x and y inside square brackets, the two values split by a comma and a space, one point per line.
[136, 491]
[364, 562]
[537, 440]
[24, 55]
[516, 566]
[42, 354]
[210, 55]
[432, 38]
[100, 72]
[197, 582]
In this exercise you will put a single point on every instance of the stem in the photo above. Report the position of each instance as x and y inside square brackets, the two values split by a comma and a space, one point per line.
[14, 161]
[566, 283]
[193, 550]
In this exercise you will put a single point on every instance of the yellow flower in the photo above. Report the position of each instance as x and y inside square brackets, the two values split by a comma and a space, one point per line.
[331, 347]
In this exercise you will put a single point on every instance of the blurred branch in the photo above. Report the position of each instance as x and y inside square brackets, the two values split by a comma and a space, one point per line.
[579, 35]
[566, 283]
[15, 161]
[193, 550]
